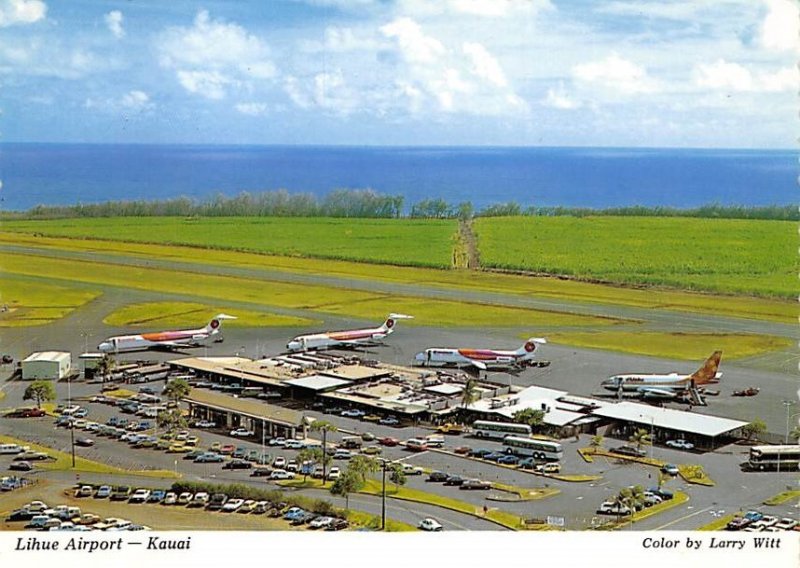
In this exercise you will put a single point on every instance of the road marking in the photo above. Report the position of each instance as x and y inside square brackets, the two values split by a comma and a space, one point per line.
[669, 524]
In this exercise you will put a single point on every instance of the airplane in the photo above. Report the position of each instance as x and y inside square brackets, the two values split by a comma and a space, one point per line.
[665, 387]
[480, 359]
[167, 339]
[346, 338]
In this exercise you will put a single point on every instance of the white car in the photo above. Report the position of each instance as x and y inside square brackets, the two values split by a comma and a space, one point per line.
[786, 524]
[139, 496]
[334, 473]
[294, 445]
[409, 469]
[611, 508]
[170, 499]
[279, 461]
[277, 442]
[242, 433]
[205, 424]
[185, 498]
[200, 500]
[429, 524]
[281, 474]
[320, 522]
[232, 505]
[681, 444]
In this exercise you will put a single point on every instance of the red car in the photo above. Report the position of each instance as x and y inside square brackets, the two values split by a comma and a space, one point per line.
[28, 413]
[227, 449]
[389, 441]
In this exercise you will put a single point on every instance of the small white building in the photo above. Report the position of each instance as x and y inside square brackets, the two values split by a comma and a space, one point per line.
[46, 365]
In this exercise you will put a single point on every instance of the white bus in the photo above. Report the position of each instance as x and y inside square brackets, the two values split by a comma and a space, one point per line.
[785, 458]
[499, 430]
[538, 449]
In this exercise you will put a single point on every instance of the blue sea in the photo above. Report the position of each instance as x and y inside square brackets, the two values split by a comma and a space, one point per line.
[577, 177]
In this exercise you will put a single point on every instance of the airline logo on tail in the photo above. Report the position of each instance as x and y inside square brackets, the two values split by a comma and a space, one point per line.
[708, 372]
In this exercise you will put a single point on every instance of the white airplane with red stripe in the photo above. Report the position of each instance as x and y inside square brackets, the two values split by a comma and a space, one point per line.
[481, 359]
[346, 338]
[212, 332]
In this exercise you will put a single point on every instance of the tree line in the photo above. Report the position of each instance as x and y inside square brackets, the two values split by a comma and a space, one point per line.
[367, 203]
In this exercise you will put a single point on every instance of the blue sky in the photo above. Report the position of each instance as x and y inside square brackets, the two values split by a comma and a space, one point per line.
[678, 73]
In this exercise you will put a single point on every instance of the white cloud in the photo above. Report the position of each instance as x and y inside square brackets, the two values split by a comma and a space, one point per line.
[616, 74]
[33, 56]
[414, 45]
[208, 84]
[781, 26]
[484, 65]
[132, 101]
[213, 56]
[251, 109]
[725, 76]
[114, 22]
[14, 12]
[558, 98]
[498, 8]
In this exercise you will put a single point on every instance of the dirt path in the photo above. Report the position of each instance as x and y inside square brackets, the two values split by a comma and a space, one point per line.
[465, 251]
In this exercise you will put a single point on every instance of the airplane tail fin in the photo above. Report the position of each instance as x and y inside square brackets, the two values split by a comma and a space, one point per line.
[708, 372]
[530, 346]
[391, 321]
[216, 323]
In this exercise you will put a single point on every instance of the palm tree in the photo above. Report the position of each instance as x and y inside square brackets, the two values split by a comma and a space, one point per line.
[362, 466]
[596, 442]
[641, 438]
[469, 394]
[795, 433]
[105, 366]
[176, 390]
[324, 426]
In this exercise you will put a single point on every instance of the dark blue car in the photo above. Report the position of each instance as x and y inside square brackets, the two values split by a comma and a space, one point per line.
[494, 456]
[509, 459]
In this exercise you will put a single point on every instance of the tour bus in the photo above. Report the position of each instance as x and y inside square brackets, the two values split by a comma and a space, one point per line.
[499, 430]
[537, 449]
[786, 458]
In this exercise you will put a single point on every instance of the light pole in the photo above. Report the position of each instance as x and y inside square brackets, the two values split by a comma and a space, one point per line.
[72, 422]
[787, 404]
[383, 496]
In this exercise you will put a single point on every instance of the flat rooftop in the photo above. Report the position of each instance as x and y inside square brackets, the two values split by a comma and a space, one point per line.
[248, 407]
[47, 356]
[317, 382]
[680, 420]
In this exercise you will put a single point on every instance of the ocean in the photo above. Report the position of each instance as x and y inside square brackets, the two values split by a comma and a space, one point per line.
[51, 174]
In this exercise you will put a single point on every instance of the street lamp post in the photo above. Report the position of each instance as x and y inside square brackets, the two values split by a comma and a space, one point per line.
[787, 404]
[72, 423]
[383, 496]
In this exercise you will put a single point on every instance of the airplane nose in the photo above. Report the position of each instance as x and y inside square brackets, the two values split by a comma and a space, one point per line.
[293, 345]
[105, 346]
[419, 357]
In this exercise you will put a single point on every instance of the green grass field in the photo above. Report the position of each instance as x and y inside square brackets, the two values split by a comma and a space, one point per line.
[36, 303]
[716, 255]
[191, 314]
[315, 298]
[771, 309]
[681, 346]
[388, 241]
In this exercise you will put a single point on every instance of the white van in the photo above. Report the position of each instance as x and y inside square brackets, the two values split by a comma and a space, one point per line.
[435, 441]
[70, 410]
[11, 449]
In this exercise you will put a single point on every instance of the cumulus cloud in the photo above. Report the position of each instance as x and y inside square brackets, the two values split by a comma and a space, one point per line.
[558, 98]
[20, 12]
[413, 44]
[32, 56]
[616, 74]
[726, 76]
[484, 65]
[132, 101]
[213, 56]
[114, 22]
[781, 26]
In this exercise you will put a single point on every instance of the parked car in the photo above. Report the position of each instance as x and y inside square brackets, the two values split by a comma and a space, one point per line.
[437, 476]
[455, 480]
[663, 493]
[320, 523]
[84, 442]
[551, 467]
[205, 424]
[670, 469]
[238, 464]
[247, 507]
[429, 524]
[353, 413]
[157, 496]
[786, 524]
[281, 474]
[462, 450]
[279, 462]
[121, 493]
[293, 513]
[140, 496]
[209, 457]
[217, 501]
[611, 508]
[337, 525]
[21, 466]
[84, 491]
[279, 441]
[388, 441]
[494, 456]
[232, 505]
[334, 473]
[389, 421]
[294, 445]
[480, 452]
[170, 499]
[737, 523]
[475, 484]
[242, 433]
[372, 418]
[509, 459]
[103, 492]
[409, 469]
[185, 498]
[199, 500]
[630, 451]
[681, 444]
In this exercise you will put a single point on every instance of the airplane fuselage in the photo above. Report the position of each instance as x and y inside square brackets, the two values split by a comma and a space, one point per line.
[159, 340]
[337, 339]
[487, 358]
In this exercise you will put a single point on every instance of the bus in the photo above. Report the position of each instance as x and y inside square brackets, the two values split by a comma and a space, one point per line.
[537, 449]
[499, 430]
[785, 458]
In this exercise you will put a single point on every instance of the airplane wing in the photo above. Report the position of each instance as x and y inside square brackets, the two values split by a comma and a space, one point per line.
[656, 393]
[480, 365]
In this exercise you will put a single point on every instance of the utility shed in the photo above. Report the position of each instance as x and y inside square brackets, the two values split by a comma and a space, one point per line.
[46, 365]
